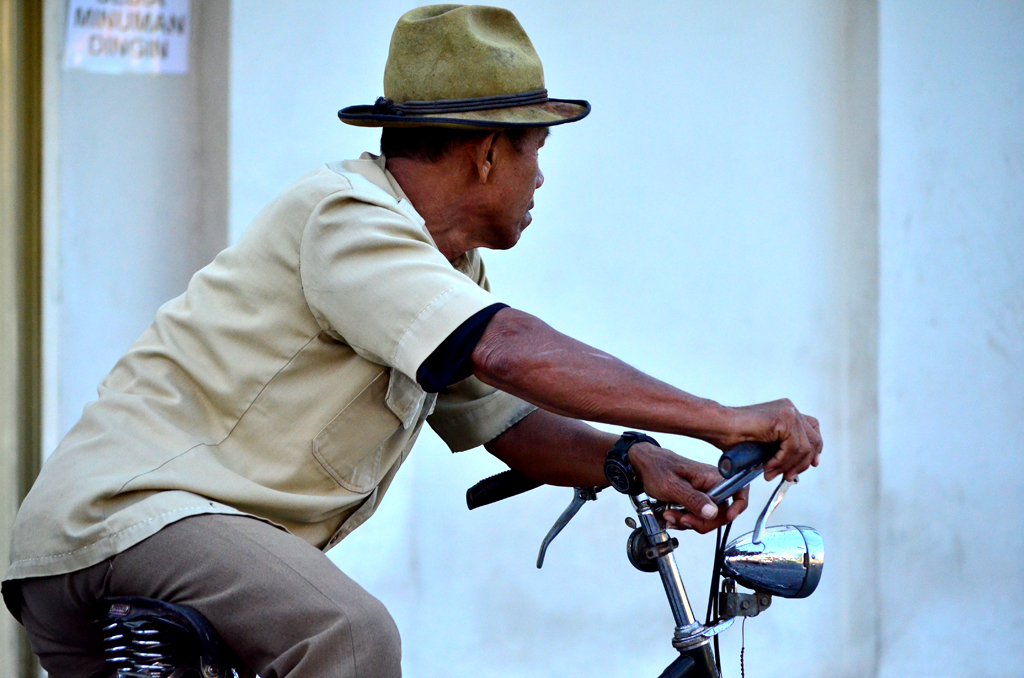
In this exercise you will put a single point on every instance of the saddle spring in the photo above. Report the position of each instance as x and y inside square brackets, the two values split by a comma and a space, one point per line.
[138, 649]
[144, 638]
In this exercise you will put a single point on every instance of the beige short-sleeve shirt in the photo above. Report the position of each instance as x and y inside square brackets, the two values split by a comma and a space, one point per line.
[281, 384]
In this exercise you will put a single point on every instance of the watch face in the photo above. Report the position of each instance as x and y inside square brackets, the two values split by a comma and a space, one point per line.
[617, 476]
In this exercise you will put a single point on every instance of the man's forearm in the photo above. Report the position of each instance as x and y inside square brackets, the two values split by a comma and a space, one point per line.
[555, 450]
[522, 355]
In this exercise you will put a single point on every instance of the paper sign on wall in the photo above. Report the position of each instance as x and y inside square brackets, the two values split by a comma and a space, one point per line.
[128, 36]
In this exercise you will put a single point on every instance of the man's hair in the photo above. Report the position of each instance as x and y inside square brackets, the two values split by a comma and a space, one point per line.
[430, 144]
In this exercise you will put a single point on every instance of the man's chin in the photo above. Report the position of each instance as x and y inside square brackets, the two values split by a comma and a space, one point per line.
[510, 241]
[511, 235]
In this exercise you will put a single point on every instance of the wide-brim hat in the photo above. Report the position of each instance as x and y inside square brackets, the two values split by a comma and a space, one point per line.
[467, 67]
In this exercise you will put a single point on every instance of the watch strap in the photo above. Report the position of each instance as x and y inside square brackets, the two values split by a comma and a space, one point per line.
[617, 468]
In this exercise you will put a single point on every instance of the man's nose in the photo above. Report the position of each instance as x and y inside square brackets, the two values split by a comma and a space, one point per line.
[540, 178]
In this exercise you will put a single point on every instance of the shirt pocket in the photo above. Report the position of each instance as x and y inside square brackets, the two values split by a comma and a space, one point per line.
[349, 447]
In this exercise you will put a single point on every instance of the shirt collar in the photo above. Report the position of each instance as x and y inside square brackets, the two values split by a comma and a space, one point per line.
[373, 168]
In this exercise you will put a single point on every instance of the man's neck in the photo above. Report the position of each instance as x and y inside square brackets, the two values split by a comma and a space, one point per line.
[437, 191]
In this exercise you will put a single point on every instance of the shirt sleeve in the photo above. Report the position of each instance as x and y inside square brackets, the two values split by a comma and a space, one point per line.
[469, 413]
[372, 277]
[450, 362]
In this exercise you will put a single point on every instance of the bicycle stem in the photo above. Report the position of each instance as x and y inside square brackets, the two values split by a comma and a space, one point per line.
[670, 578]
[691, 638]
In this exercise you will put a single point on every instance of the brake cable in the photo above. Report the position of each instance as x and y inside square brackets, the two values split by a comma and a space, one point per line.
[721, 539]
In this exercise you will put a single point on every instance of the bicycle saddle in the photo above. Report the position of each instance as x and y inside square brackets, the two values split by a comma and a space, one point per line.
[147, 638]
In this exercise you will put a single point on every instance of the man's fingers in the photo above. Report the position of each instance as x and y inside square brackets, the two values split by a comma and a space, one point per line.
[798, 436]
[679, 490]
[699, 504]
[726, 514]
[685, 484]
[695, 501]
[801, 442]
[685, 521]
[802, 459]
[816, 440]
[813, 421]
[701, 477]
[780, 462]
[674, 520]
[739, 504]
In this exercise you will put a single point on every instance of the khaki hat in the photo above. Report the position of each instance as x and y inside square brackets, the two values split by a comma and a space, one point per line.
[463, 66]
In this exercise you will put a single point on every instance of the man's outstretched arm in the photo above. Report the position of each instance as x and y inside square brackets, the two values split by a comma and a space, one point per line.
[522, 355]
[561, 451]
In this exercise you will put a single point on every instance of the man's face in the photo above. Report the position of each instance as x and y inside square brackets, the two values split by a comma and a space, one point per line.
[515, 175]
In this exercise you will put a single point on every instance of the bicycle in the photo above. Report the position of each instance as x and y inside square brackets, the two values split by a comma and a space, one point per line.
[784, 561]
[154, 639]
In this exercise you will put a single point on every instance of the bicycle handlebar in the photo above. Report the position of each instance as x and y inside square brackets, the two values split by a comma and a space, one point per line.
[498, 487]
[744, 457]
[739, 466]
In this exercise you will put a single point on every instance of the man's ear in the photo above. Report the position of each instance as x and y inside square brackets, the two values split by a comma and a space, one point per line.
[483, 156]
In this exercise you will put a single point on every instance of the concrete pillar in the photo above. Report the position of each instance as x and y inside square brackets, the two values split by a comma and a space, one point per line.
[21, 78]
[952, 339]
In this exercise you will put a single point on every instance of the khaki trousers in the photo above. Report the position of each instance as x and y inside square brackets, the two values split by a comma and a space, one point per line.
[277, 601]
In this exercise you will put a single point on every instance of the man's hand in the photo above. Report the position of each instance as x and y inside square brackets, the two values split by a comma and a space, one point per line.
[671, 478]
[798, 435]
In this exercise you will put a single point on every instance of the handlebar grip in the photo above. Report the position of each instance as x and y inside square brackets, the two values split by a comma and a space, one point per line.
[744, 457]
[498, 487]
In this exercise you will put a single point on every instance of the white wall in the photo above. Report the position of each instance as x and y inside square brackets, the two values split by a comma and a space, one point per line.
[952, 338]
[724, 194]
[712, 222]
[139, 187]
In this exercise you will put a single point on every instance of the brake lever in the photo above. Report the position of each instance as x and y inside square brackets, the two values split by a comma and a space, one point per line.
[769, 508]
[581, 495]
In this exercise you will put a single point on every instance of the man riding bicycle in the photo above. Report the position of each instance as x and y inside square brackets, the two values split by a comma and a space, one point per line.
[263, 415]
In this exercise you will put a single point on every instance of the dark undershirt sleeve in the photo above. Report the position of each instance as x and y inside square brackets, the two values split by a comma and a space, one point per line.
[450, 362]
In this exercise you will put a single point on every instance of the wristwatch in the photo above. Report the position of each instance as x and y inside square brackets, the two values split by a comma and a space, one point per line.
[620, 473]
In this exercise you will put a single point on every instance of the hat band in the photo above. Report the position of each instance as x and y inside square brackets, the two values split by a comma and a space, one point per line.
[385, 106]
